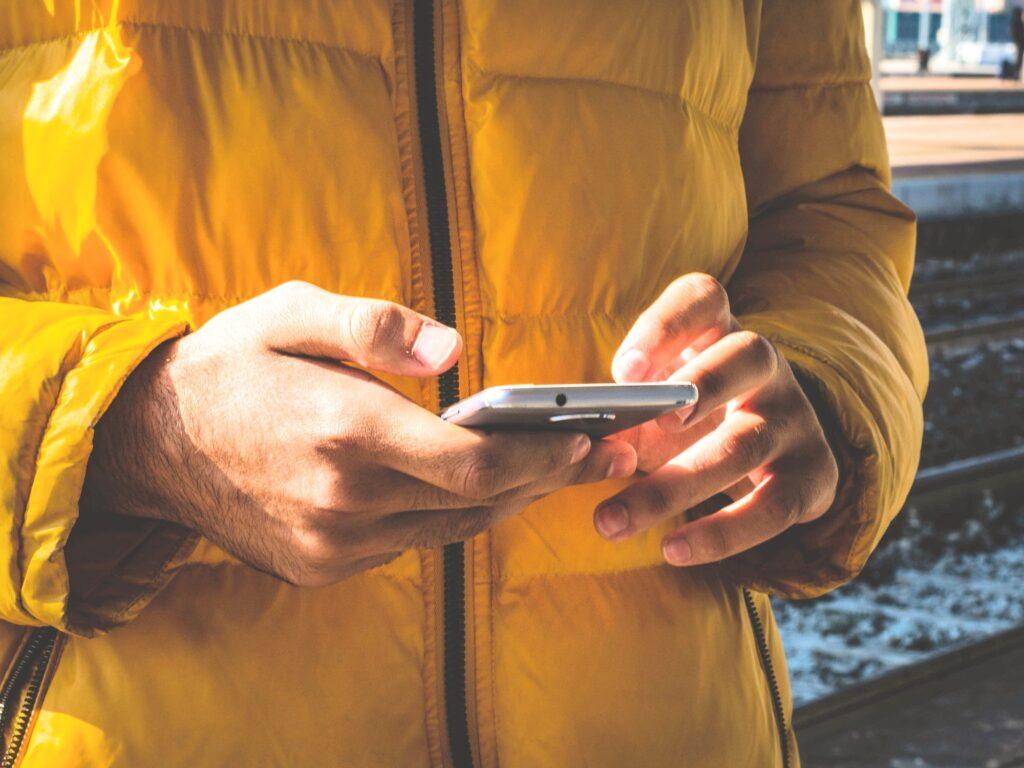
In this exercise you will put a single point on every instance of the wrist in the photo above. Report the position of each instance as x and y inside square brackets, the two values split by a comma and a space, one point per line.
[133, 444]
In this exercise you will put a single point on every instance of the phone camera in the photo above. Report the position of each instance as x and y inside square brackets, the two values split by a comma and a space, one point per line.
[561, 399]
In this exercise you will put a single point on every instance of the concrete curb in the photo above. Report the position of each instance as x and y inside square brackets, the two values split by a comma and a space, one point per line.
[936, 102]
[961, 191]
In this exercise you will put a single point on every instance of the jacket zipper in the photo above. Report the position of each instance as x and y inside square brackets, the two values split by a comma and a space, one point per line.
[769, 671]
[27, 674]
[453, 555]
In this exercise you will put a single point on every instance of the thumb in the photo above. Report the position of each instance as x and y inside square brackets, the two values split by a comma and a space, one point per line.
[375, 334]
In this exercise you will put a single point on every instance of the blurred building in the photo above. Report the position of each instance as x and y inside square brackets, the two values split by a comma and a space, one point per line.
[969, 35]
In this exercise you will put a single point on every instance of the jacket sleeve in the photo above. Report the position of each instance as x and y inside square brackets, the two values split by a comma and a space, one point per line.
[60, 367]
[824, 275]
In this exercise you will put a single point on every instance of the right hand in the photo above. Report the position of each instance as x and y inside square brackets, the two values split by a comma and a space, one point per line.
[253, 432]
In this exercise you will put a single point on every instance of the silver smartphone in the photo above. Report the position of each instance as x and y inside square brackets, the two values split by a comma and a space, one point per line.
[597, 409]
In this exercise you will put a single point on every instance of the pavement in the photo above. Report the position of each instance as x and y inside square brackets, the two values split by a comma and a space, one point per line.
[957, 166]
[954, 140]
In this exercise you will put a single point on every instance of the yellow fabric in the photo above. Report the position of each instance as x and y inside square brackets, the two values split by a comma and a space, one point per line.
[595, 151]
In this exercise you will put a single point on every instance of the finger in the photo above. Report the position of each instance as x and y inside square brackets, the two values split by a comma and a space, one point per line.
[782, 499]
[441, 526]
[380, 492]
[472, 463]
[744, 442]
[302, 319]
[608, 459]
[735, 365]
[692, 311]
[655, 446]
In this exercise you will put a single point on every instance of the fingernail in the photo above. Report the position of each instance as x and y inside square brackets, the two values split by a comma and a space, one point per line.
[434, 344]
[622, 466]
[611, 520]
[580, 449]
[632, 365]
[676, 551]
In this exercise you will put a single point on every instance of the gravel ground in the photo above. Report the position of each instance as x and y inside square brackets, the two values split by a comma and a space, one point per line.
[949, 266]
[967, 244]
[930, 588]
[944, 311]
[948, 576]
[974, 402]
[972, 399]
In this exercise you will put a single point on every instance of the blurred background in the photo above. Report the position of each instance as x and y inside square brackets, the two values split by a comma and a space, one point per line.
[920, 662]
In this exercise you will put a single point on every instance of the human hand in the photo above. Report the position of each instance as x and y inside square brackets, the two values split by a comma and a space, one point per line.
[253, 432]
[753, 427]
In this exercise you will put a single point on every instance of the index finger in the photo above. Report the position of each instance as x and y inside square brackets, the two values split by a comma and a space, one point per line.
[473, 463]
[692, 312]
[778, 502]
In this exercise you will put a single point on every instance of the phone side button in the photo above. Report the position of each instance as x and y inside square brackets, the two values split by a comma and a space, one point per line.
[570, 417]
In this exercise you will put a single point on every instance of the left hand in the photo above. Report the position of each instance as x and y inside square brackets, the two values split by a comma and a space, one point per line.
[752, 428]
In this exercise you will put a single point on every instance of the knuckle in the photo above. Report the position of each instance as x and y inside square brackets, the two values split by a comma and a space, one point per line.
[831, 472]
[657, 501]
[315, 553]
[344, 427]
[802, 497]
[751, 447]
[671, 325]
[331, 489]
[325, 494]
[283, 298]
[354, 495]
[332, 486]
[660, 323]
[376, 324]
[284, 305]
[480, 476]
[291, 288]
[825, 482]
[707, 290]
[274, 302]
[758, 350]
[555, 457]
[692, 294]
[789, 510]
[821, 446]
[314, 543]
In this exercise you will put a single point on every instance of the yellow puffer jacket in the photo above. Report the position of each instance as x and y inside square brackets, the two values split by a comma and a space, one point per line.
[538, 170]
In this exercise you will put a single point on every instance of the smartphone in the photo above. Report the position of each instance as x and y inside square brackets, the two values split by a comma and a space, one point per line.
[597, 409]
